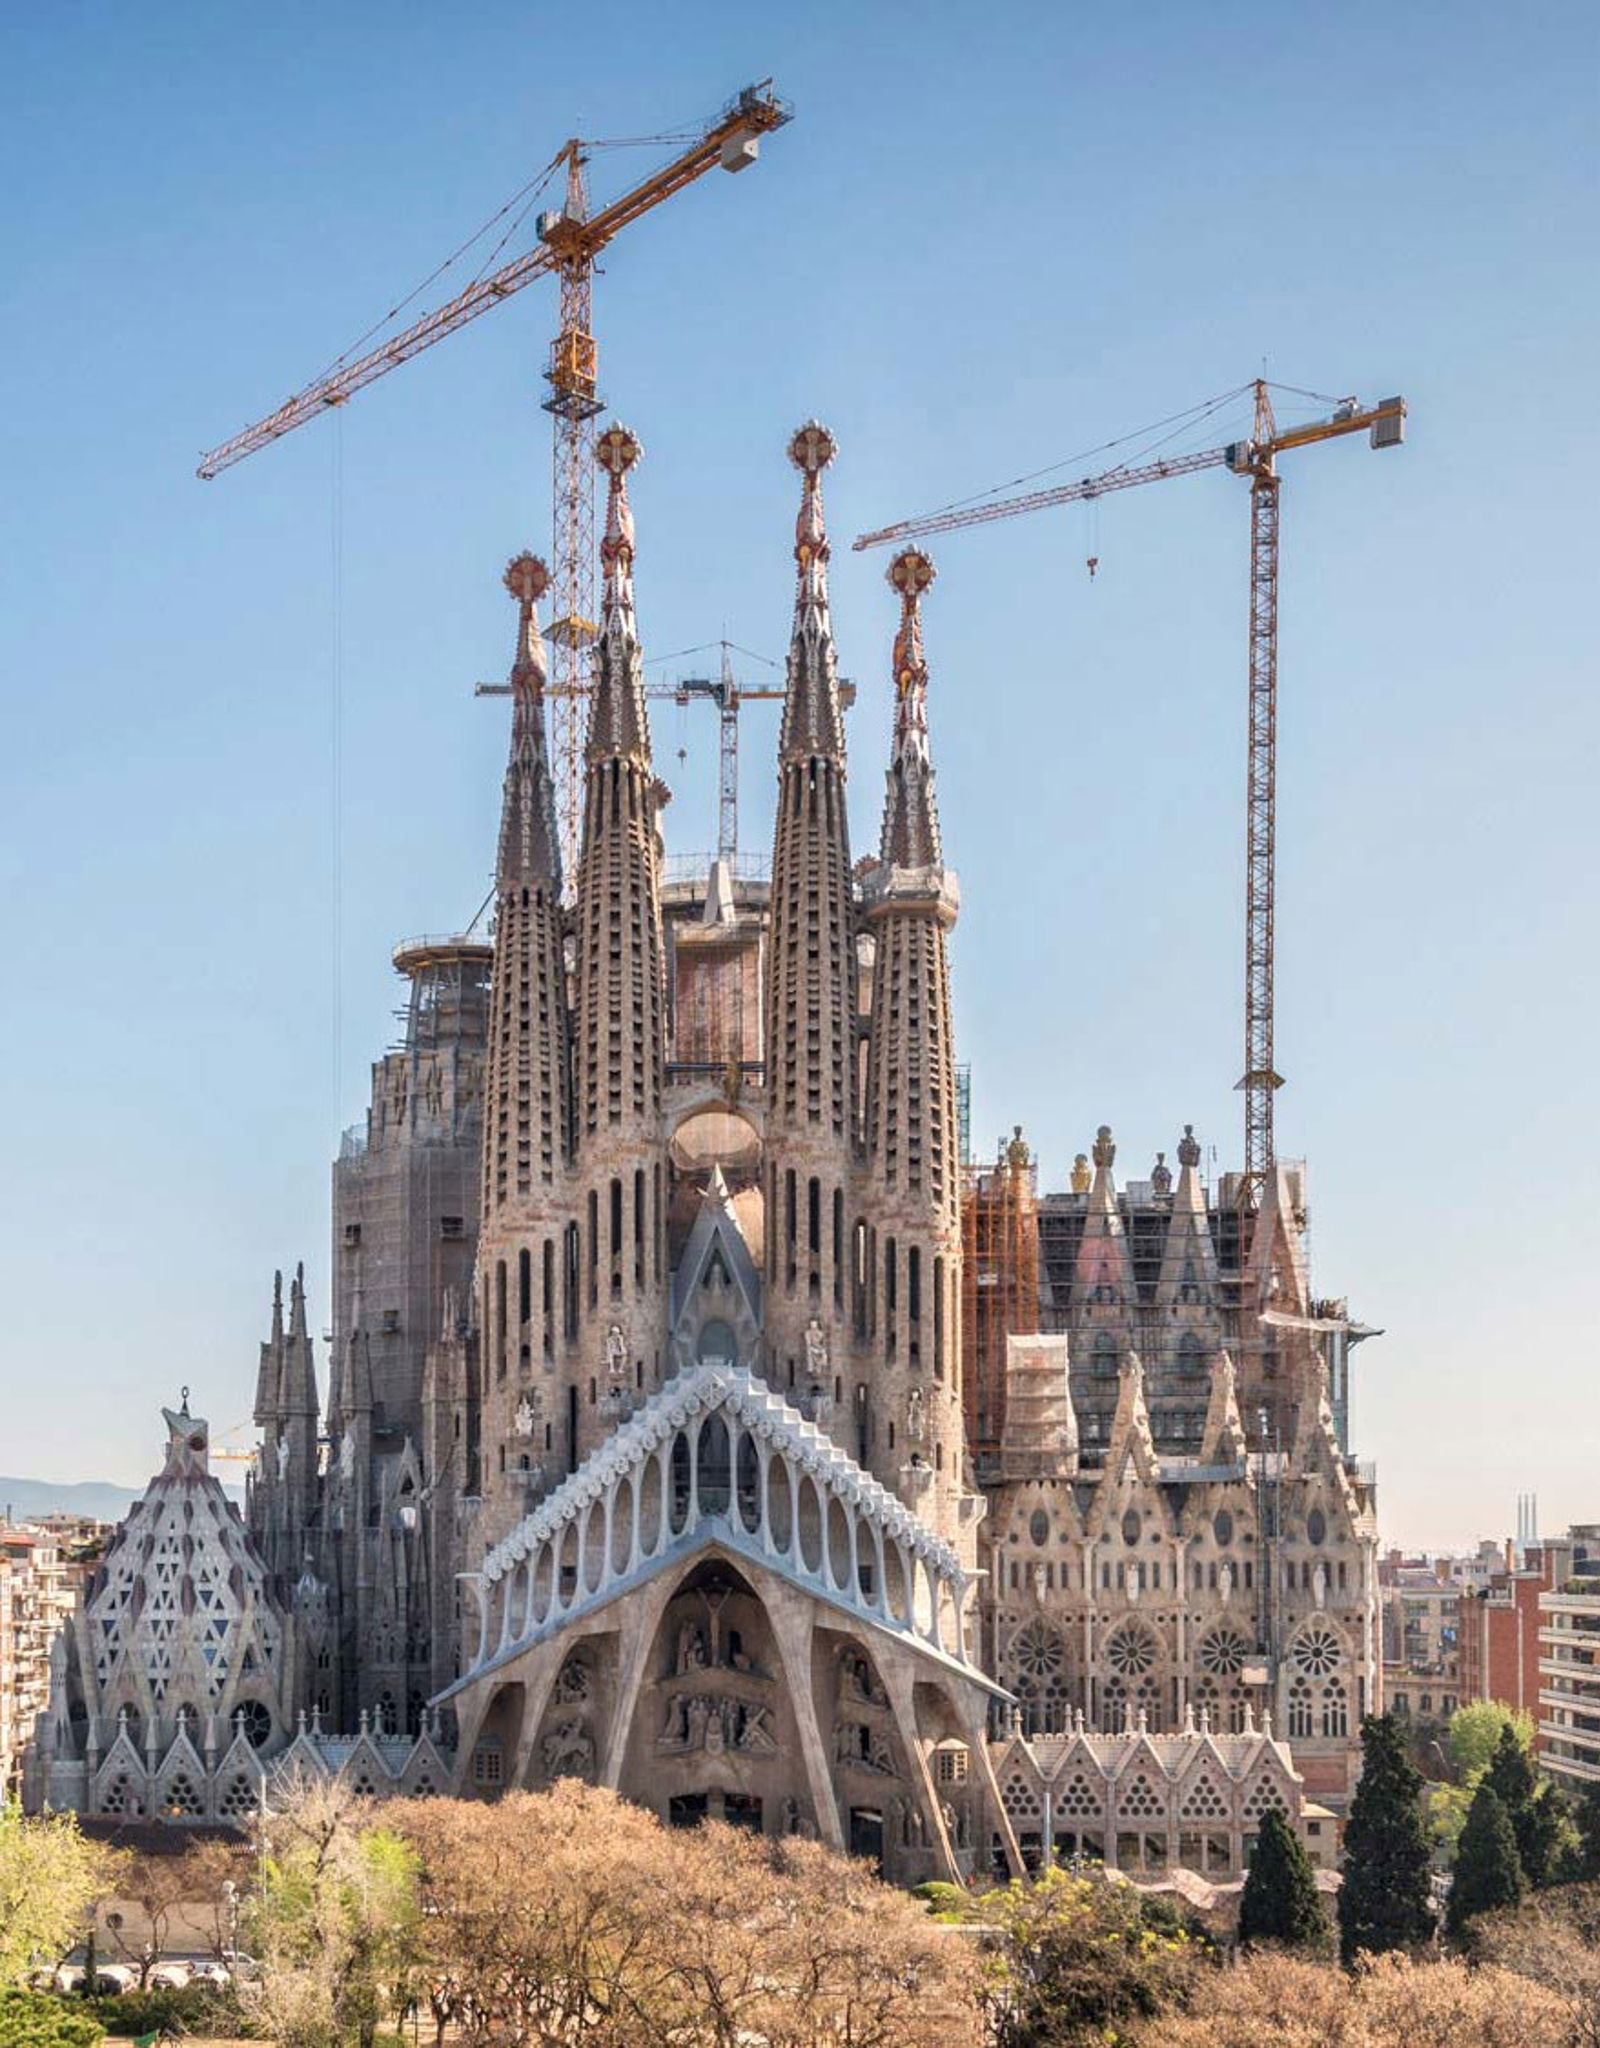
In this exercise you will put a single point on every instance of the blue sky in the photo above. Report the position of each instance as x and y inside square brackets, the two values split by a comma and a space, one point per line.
[241, 756]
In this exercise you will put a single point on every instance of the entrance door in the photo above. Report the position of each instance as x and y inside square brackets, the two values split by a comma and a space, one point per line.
[686, 1809]
[742, 1810]
[866, 1835]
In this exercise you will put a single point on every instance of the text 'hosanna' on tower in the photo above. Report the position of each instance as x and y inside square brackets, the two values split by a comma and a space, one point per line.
[702, 1419]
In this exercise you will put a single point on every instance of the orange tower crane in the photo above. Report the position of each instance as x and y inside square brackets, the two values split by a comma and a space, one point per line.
[1256, 459]
[570, 241]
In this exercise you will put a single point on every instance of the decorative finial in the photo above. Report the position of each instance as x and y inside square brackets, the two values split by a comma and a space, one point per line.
[1161, 1176]
[811, 449]
[617, 451]
[1017, 1156]
[1081, 1176]
[527, 579]
[1188, 1147]
[185, 1408]
[1105, 1152]
[911, 573]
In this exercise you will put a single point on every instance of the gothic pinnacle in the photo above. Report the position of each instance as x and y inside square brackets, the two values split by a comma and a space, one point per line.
[910, 820]
[812, 724]
[617, 721]
[811, 449]
[527, 818]
[617, 451]
[527, 579]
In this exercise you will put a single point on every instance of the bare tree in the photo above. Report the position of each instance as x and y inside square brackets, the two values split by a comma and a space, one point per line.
[629, 1934]
[1555, 1941]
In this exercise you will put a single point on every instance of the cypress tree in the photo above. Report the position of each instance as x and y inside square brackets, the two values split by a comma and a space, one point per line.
[1280, 1901]
[1385, 1902]
[1511, 1778]
[1488, 1873]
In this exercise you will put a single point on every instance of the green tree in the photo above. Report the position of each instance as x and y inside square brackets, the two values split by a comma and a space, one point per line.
[1075, 1960]
[334, 1930]
[1280, 1901]
[29, 2020]
[1537, 1811]
[1475, 1734]
[1488, 1873]
[49, 1875]
[1384, 1902]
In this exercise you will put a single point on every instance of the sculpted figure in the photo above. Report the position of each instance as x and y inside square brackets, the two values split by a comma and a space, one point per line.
[816, 1349]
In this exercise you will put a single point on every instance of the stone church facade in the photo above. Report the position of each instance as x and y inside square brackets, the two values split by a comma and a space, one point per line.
[652, 1449]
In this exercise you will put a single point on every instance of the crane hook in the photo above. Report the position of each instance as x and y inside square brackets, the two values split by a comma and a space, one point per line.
[1093, 564]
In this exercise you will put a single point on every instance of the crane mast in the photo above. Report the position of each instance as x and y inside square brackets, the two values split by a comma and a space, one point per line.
[1256, 459]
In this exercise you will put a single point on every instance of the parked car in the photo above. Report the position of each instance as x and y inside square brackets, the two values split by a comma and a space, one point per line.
[172, 1976]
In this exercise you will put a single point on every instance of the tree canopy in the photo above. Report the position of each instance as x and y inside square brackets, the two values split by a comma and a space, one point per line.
[49, 1876]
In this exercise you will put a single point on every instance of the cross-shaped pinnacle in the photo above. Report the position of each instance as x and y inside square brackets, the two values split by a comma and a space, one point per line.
[527, 578]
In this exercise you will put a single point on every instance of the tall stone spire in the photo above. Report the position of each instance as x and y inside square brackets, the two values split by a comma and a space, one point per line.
[529, 847]
[810, 1024]
[528, 1109]
[528, 1127]
[620, 1009]
[912, 1124]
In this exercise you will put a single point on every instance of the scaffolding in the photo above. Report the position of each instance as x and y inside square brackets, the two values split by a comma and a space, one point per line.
[999, 1282]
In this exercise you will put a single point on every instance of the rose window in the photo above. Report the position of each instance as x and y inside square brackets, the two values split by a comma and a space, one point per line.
[1317, 1653]
[1131, 1653]
[1223, 1653]
[1038, 1652]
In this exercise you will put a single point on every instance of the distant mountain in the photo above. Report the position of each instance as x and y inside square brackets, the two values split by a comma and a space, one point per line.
[21, 1499]
[24, 1498]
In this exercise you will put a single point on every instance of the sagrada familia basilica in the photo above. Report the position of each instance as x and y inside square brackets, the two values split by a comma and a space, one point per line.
[684, 1428]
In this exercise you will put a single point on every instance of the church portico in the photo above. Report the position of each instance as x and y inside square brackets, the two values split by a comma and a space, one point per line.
[720, 1610]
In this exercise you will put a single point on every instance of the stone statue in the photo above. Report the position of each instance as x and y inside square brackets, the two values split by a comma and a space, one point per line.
[572, 1682]
[567, 1751]
[754, 1731]
[675, 1731]
[691, 1648]
[1036, 1575]
[1082, 1178]
[915, 1427]
[347, 1457]
[1319, 1585]
[283, 1458]
[1161, 1176]
[1225, 1581]
[522, 1421]
[816, 1350]
[616, 1353]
